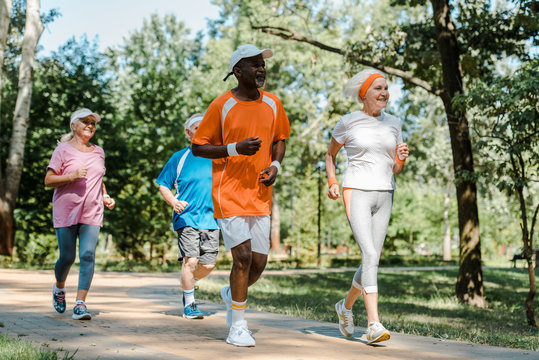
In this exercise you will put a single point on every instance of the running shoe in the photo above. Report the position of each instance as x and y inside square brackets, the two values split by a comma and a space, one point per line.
[346, 319]
[225, 295]
[191, 312]
[59, 300]
[80, 312]
[376, 332]
[240, 335]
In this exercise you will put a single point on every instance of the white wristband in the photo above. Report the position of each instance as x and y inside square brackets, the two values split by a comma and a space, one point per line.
[231, 149]
[106, 196]
[277, 165]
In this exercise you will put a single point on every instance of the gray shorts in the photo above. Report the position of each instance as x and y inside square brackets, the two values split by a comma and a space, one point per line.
[201, 244]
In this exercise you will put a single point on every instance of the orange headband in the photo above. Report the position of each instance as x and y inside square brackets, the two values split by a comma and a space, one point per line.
[367, 84]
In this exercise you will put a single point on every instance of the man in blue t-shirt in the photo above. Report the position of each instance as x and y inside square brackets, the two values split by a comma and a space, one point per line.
[192, 218]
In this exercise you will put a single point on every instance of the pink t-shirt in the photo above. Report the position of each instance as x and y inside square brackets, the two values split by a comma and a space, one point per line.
[79, 202]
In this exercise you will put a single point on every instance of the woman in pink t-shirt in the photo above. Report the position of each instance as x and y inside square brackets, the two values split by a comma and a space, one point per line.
[76, 173]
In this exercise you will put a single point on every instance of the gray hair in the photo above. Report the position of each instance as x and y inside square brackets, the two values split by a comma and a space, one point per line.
[354, 84]
[189, 122]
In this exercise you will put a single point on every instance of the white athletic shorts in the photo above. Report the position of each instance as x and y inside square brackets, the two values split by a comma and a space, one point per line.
[238, 229]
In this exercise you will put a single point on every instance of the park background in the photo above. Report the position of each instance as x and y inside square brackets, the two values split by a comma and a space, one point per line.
[161, 72]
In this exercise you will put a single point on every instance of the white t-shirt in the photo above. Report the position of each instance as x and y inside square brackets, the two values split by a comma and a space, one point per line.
[370, 144]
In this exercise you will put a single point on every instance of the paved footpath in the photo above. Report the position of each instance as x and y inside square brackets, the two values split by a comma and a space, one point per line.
[137, 316]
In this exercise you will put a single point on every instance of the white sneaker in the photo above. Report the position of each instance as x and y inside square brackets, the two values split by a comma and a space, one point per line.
[376, 332]
[346, 319]
[240, 335]
[225, 295]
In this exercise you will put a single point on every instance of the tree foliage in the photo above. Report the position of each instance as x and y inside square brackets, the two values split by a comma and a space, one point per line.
[161, 74]
[506, 123]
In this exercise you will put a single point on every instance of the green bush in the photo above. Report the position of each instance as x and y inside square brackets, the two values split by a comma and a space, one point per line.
[38, 250]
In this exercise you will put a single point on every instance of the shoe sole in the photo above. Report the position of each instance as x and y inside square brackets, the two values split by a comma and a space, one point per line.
[385, 336]
[239, 345]
[193, 316]
[82, 317]
[343, 332]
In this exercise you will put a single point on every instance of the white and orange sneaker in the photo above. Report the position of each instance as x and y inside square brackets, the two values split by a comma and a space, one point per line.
[346, 319]
[376, 332]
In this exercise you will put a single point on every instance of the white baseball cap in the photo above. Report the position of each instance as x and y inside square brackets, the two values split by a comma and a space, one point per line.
[82, 113]
[246, 51]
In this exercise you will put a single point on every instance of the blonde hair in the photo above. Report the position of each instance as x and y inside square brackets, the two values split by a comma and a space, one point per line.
[353, 85]
[68, 136]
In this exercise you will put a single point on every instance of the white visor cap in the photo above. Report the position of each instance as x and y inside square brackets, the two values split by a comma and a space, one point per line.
[247, 51]
[82, 113]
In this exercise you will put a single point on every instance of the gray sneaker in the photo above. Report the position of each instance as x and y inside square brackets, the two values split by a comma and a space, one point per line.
[225, 295]
[346, 319]
[376, 332]
[240, 335]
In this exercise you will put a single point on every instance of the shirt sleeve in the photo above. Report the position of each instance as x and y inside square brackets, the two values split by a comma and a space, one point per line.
[56, 161]
[282, 126]
[339, 132]
[168, 174]
[209, 131]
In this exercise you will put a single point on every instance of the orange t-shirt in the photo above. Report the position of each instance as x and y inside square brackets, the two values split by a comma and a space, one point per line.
[236, 187]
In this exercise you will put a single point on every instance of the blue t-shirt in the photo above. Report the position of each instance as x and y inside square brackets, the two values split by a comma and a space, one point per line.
[193, 185]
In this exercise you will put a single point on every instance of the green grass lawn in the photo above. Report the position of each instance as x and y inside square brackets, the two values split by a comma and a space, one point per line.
[17, 349]
[411, 302]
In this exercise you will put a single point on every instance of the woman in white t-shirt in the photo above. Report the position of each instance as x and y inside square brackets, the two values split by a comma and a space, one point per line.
[373, 143]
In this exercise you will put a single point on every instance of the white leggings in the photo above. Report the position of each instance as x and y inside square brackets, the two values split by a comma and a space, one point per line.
[368, 213]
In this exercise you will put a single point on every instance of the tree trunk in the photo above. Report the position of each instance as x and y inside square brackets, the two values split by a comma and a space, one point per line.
[10, 190]
[469, 286]
[5, 11]
[447, 225]
[275, 224]
[6, 212]
[527, 236]
[530, 310]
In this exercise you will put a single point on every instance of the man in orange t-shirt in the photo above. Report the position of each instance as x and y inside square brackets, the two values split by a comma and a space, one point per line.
[244, 132]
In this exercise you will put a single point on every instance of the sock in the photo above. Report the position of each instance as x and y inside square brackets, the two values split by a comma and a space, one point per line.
[57, 290]
[79, 302]
[344, 307]
[238, 311]
[189, 296]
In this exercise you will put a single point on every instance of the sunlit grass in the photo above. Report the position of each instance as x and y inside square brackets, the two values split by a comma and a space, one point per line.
[17, 349]
[411, 302]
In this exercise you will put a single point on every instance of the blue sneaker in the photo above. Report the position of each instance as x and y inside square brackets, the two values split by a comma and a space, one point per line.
[192, 312]
[59, 300]
[80, 312]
